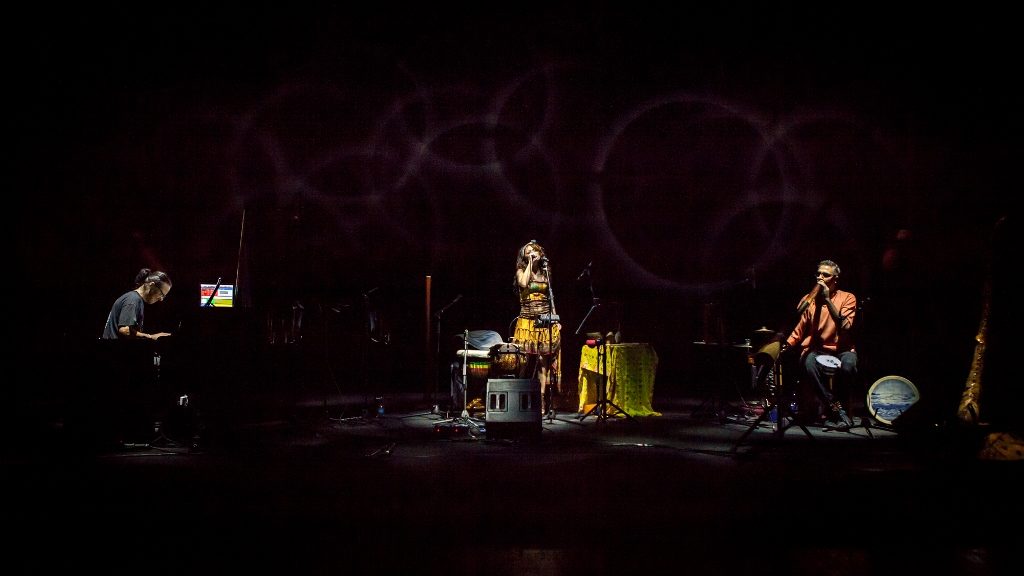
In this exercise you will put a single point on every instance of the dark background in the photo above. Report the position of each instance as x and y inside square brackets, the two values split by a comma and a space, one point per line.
[329, 159]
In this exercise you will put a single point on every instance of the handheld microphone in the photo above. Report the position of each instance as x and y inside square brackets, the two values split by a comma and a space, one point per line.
[585, 271]
[543, 262]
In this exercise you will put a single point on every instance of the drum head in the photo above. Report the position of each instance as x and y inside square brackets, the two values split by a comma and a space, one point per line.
[889, 397]
[828, 361]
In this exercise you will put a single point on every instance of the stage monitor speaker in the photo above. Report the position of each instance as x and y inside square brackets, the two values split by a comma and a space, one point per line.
[513, 408]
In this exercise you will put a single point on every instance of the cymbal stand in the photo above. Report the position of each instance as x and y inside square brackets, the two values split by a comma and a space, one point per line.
[471, 424]
[785, 419]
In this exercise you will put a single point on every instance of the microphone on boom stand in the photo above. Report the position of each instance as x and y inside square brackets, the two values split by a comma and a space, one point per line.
[586, 270]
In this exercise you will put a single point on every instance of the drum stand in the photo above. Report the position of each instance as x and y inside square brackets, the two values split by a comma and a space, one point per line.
[785, 419]
[465, 421]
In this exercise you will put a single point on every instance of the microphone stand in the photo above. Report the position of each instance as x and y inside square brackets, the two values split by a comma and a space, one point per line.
[437, 341]
[600, 409]
[594, 301]
[552, 376]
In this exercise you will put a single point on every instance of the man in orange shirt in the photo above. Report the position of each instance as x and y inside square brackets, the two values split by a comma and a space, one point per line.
[824, 335]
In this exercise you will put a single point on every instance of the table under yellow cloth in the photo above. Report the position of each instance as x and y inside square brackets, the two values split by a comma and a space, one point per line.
[631, 370]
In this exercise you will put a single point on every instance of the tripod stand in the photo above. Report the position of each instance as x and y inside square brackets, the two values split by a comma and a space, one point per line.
[602, 408]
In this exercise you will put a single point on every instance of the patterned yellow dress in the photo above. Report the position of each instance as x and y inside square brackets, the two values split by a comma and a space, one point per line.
[546, 341]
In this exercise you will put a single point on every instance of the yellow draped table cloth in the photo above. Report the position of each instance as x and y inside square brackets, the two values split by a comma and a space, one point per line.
[631, 370]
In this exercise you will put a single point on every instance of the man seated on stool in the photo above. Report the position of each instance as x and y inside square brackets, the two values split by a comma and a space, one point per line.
[826, 328]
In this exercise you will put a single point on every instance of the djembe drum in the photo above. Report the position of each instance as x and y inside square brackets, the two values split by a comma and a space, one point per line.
[509, 361]
[478, 369]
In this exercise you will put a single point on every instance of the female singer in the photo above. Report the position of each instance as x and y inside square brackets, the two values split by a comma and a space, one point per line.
[537, 330]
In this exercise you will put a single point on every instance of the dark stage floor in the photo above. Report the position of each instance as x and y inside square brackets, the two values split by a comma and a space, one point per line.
[323, 490]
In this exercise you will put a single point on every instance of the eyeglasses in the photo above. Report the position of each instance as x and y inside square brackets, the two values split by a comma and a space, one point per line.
[162, 293]
[823, 275]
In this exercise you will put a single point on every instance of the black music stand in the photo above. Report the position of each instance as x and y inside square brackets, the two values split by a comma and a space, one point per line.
[716, 358]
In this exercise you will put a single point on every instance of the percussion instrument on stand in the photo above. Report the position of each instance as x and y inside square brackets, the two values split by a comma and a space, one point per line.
[509, 361]
[465, 422]
[477, 370]
[829, 365]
